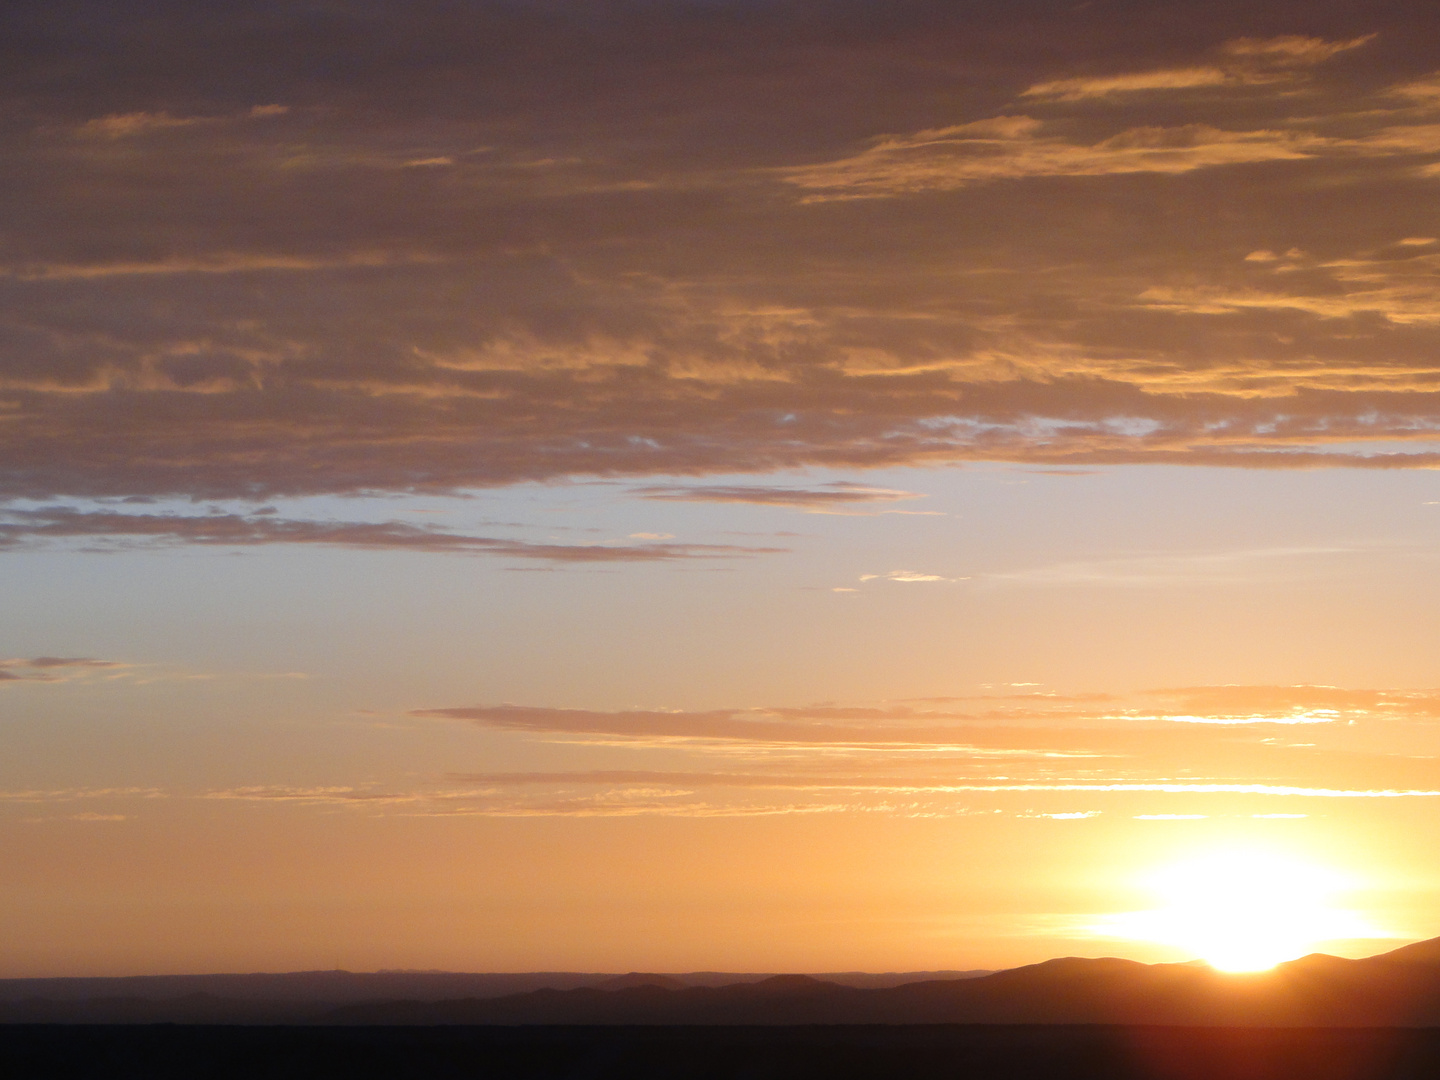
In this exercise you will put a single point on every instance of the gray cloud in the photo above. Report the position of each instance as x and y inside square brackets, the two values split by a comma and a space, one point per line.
[52, 668]
[279, 249]
[27, 527]
[1019, 721]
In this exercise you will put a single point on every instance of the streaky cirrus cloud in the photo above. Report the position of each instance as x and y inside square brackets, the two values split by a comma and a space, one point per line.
[1166, 747]
[53, 668]
[910, 786]
[1022, 722]
[123, 125]
[909, 577]
[835, 497]
[1242, 62]
[26, 528]
[1017, 147]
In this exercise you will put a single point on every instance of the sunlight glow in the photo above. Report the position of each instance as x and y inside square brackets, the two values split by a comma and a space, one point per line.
[1243, 910]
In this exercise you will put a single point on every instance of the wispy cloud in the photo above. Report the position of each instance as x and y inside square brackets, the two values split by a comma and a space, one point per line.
[217, 263]
[1017, 147]
[1177, 744]
[1147, 570]
[64, 795]
[54, 668]
[1292, 50]
[1242, 62]
[910, 577]
[832, 498]
[1022, 723]
[126, 125]
[1168, 754]
[20, 528]
[1100, 86]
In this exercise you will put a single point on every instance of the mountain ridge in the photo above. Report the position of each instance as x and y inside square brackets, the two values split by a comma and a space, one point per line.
[1400, 988]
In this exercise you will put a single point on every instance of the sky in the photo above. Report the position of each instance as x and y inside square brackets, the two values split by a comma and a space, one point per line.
[749, 485]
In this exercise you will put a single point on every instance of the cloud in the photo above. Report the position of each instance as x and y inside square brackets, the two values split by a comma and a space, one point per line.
[123, 125]
[50, 662]
[637, 808]
[127, 125]
[480, 245]
[1400, 288]
[1424, 91]
[1025, 753]
[895, 786]
[908, 576]
[829, 498]
[758, 726]
[624, 801]
[53, 668]
[1174, 744]
[317, 796]
[1194, 568]
[64, 795]
[1022, 147]
[216, 263]
[1105, 85]
[1294, 704]
[27, 527]
[1292, 49]
[1016, 147]
[1241, 62]
[1020, 723]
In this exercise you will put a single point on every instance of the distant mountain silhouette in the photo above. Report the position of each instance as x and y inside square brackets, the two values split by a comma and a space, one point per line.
[1398, 989]
[638, 978]
[304, 996]
[1395, 989]
[1422, 952]
[345, 987]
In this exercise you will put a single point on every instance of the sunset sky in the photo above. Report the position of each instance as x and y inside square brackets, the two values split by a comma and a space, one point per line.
[749, 485]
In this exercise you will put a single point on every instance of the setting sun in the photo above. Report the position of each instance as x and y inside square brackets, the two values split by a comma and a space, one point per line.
[1244, 909]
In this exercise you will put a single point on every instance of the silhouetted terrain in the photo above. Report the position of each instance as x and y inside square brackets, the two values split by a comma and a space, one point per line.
[1317, 1018]
[304, 996]
[713, 1053]
[1395, 989]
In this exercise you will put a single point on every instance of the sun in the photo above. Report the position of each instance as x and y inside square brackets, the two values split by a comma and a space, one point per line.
[1244, 909]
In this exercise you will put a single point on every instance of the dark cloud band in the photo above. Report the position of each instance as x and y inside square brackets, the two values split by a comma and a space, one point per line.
[28, 527]
[286, 250]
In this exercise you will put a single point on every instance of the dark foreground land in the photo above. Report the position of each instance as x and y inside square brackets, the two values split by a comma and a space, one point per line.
[964, 1052]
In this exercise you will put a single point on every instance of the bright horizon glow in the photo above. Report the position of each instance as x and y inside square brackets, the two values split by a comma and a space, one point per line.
[1244, 909]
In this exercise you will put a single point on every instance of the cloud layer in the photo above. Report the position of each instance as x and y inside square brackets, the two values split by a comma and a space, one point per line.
[1175, 754]
[285, 250]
